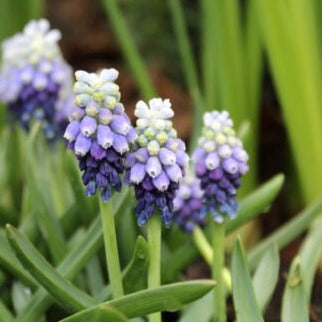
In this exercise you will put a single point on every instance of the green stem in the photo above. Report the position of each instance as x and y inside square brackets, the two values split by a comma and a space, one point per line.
[154, 273]
[205, 250]
[203, 245]
[110, 242]
[218, 244]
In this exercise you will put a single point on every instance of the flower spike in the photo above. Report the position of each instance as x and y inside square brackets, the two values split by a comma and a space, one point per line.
[220, 160]
[188, 205]
[35, 80]
[99, 131]
[157, 161]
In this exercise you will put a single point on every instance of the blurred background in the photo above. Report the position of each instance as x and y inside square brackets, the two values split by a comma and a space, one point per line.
[260, 60]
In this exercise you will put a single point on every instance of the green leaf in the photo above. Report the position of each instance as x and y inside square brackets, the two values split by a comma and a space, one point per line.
[135, 274]
[256, 202]
[13, 163]
[294, 304]
[38, 183]
[165, 298]
[286, 233]
[73, 262]
[7, 216]
[73, 174]
[66, 294]
[310, 255]
[290, 38]
[130, 51]
[94, 276]
[20, 296]
[266, 277]
[10, 263]
[100, 313]
[134, 278]
[188, 67]
[5, 315]
[243, 292]
[201, 310]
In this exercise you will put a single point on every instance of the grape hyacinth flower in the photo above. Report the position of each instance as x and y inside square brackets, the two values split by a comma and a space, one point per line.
[99, 131]
[157, 161]
[35, 80]
[220, 161]
[187, 205]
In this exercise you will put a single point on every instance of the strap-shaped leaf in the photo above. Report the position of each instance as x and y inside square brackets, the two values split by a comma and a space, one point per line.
[74, 177]
[10, 263]
[101, 313]
[20, 295]
[5, 315]
[94, 276]
[165, 298]
[310, 255]
[201, 310]
[294, 304]
[266, 277]
[256, 202]
[243, 293]
[65, 293]
[286, 233]
[74, 261]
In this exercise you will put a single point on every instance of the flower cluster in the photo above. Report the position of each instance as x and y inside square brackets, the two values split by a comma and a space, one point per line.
[157, 161]
[188, 204]
[35, 80]
[220, 161]
[99, 131]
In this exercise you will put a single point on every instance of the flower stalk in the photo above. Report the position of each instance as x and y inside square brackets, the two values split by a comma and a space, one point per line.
[218, 243]
[111, 250]
[154, 272]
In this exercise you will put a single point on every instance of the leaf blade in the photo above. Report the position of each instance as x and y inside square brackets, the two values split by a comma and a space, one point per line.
[65, 293]
[165, 298]
[266, 277]
[243, 292]
[294, 303]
